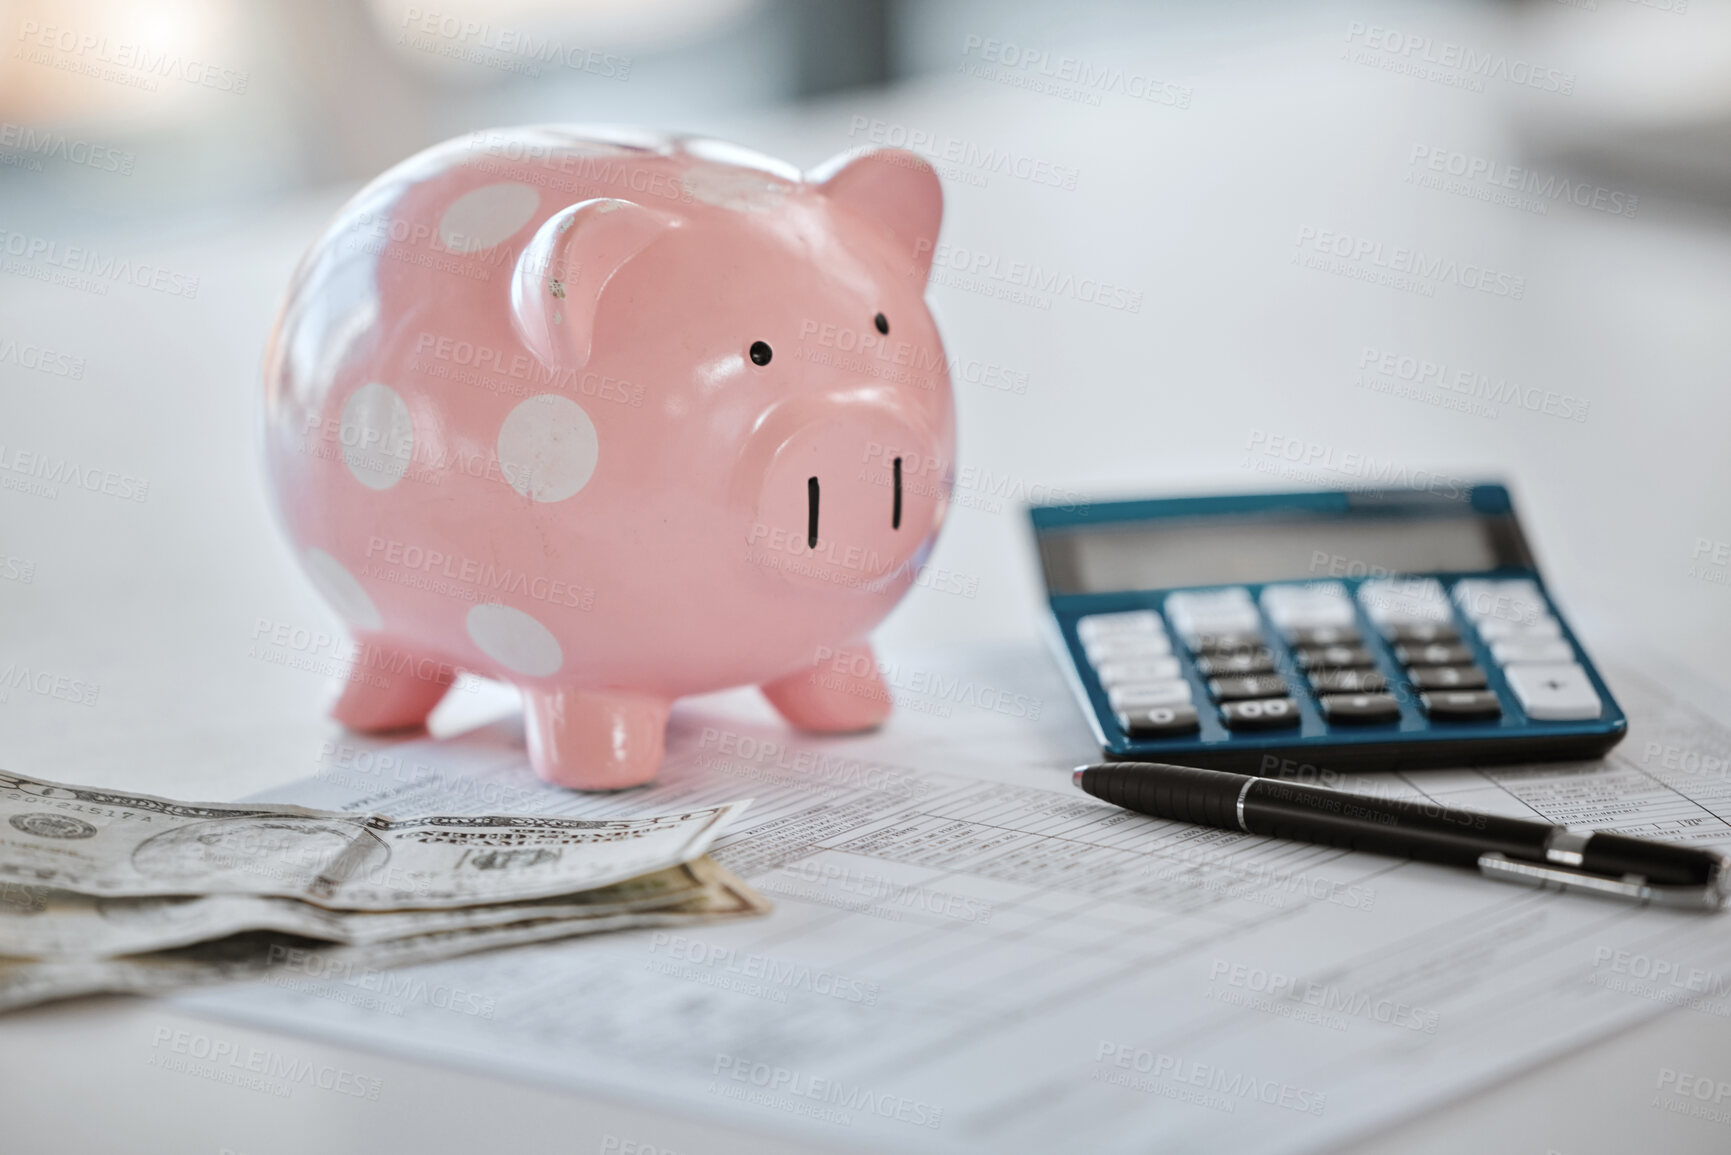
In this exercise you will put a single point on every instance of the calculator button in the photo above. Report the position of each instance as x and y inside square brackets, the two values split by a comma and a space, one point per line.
[1487, 599]
[1543, 629]
[1532, 653]
[1140, 695]
[1404, 601]
[1324, 636]
[1359, 709]
[1097, 627]
[1332, 657]
[1447, 677]
[1230, 642]
[1347, 682]
[1453, 704]
[1242, 662]
[1423, 633]
[1157, 720]
[1256, 686]
[1554, 693]
[1195, 612]
[1141, 670]
[1440, 654]
[1260, 714]
[1128, 647]
[1311, 606]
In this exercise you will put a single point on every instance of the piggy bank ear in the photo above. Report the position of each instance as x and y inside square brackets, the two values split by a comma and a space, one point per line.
[557, 284]
[895, 188]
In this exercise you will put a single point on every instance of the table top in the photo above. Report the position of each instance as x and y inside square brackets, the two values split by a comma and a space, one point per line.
[1272, 328]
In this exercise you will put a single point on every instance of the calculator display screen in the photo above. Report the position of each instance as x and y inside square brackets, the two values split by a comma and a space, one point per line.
[1168, 553]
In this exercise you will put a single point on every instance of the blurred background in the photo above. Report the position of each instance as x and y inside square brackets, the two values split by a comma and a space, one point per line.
[1242, 174]
[323, 92]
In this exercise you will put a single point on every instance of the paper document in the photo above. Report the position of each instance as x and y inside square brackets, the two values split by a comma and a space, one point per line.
[968, 954]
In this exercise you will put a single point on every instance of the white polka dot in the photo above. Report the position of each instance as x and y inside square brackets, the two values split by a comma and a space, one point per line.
[548, 448]
[482, 217]
[515, 640]
[378, 437]
[340, 588]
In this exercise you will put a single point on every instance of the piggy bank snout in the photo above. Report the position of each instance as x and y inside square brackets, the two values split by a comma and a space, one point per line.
[847, 492]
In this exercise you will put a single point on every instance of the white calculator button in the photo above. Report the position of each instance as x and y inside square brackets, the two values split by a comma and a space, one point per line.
[1245, 622]
[1128, 647]
[1227, 611]
[1554, 693]
[1144, 695]
[1098, 626]
[1145, 670]
[1545, 629]
[1535, 652]
[1316, 617]
[1517, 601]
[1322, 605]
[1404, 601]
[1208, 603]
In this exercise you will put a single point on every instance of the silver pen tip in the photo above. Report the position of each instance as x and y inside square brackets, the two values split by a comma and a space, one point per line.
[1076, 774]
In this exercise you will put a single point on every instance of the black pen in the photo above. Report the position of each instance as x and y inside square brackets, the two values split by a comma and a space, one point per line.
[1511, 849]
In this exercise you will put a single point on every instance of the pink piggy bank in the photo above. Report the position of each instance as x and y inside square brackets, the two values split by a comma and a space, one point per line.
[614, 417]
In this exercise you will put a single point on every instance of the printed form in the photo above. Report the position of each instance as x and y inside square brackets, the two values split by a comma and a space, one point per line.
[968, 954]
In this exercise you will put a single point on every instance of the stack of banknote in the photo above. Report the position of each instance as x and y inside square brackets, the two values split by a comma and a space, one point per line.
[108, 891]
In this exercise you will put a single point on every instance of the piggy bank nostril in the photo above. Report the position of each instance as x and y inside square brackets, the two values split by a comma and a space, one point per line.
[811, 488]
[896, 500]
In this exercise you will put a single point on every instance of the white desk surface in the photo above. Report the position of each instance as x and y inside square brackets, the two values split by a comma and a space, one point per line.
[1234, 345]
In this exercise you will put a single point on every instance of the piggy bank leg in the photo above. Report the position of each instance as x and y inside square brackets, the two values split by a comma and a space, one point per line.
[396, 692]
[838, 694]
[591, 740]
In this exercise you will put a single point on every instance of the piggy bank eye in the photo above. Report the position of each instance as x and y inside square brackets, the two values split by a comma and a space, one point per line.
[760, 353]
[883, 324]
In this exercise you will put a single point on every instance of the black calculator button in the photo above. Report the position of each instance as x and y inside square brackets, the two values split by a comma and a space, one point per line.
[1423, 633]
[1332, 657]
[1436, 654]
[1157, 720]
[1234, 642]
[1348, 682]
[1254, 686]
[1324, 636]
[1359, 709]
[1447, 677]
[1258, 661]
[1260, 714]
[1450, 704]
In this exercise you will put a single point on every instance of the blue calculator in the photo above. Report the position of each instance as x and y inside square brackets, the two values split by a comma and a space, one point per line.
[1295, 632]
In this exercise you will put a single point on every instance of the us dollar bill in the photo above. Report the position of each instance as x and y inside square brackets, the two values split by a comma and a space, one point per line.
[113, 844]
[44, 923]
[294, 961]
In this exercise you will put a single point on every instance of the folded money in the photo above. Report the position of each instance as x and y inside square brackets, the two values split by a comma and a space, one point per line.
[260, 954]
[44, 923]
[112, 844]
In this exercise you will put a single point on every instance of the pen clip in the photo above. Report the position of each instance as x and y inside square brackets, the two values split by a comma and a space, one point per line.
[1633, 887]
